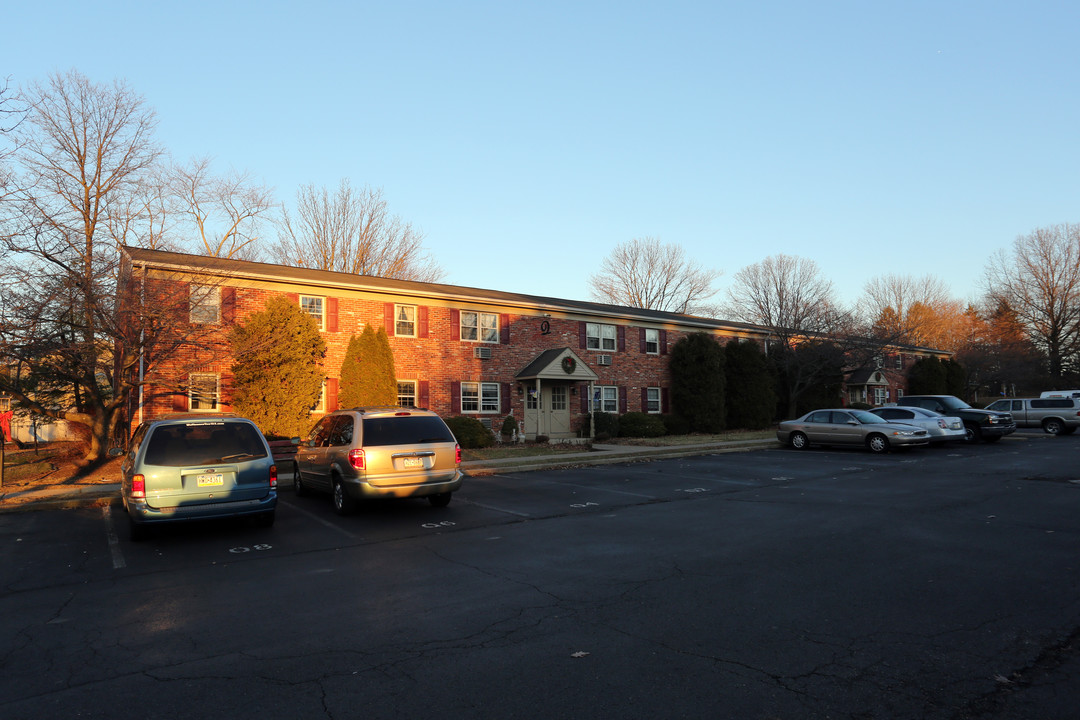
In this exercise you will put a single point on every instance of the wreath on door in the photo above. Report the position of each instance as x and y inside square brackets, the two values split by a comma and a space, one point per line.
[569, 365]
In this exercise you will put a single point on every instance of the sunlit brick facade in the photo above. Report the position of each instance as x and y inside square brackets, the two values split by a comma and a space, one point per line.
[457, 350]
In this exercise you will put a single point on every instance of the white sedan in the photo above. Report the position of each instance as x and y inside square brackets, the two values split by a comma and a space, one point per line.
[940, 428]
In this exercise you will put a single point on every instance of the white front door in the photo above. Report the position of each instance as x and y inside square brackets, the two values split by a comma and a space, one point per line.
[555, 413]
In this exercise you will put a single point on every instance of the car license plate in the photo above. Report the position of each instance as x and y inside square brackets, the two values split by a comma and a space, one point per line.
[413, 462]
[210, 480]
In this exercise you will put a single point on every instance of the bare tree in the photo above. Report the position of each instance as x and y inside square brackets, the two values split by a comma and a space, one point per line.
[790, 297]
[914, 311]
[12, 113]
[646, 273]
[226, 212]
[82, 151]
[352, 231]
[1040, 281]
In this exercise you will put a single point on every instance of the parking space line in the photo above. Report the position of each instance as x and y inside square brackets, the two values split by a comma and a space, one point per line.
[324, 521]
[601, 488]
[114, 542]
[493, 508]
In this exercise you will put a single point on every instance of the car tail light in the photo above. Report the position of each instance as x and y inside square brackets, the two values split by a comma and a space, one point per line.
[457, 454]
[273, 476]
[138, 486]
[356, 459]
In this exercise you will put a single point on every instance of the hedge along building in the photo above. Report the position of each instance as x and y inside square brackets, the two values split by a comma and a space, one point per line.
[457, 350]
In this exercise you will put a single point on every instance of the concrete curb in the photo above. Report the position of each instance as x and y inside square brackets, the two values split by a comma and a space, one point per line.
[108, 494]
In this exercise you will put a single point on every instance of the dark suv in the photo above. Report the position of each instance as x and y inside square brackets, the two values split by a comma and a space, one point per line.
[987, 425]
[366, 453]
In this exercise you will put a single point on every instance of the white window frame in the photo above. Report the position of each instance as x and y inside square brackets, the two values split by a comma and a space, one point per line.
[480, 398]
[650, 401]
[484, 327]
[195, 395]
[320, 405]
[412, 393]
[409, 319]
[606, 398]
[652, 341]
[600, 337]
[204, 304]
[308, 304]
[560, 398]
[881, 395]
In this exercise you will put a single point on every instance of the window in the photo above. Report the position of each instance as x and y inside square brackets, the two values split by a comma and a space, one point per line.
[558, 397]
[479, 397]
[881, 395]
[406, 393]
[320, 404]
[205, 304]
[652, 400]
[652, 341]
[606, 399]
[481, 327]
[899, 361]
[405, 320]
[599, 337]
[313, 306]
[203, 391]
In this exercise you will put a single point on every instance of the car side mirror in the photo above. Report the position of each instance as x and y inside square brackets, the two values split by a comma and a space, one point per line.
[116, 452]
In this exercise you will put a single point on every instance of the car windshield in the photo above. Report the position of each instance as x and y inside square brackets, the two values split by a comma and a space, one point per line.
[867, 418]
[953, 403]
[409, 430]
[204, 443]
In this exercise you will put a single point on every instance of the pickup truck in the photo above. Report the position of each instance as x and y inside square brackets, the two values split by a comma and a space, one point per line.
[1055, 415]
[988, 425]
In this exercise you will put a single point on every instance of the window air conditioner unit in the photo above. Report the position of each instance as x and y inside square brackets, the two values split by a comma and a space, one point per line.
[603, 359]
[482, 353]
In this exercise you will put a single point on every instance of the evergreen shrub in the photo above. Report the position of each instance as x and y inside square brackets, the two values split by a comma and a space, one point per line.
[470, 432]
[641, 425]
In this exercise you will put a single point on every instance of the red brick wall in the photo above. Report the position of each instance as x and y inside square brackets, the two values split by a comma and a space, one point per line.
[439, 358]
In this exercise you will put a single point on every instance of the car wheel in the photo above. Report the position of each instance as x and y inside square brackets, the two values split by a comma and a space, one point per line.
[297, 483]
[1052, 426]
[799, 441]
[266, 519]
[972, 433]
[344, 504]
[877, 443]
[440, 500]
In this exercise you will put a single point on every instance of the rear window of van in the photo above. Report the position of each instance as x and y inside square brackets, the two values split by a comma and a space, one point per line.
[204, 444]
[400, 430]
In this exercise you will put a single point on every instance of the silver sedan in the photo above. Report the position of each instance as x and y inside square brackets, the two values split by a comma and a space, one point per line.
[849, 427]
[942, 428]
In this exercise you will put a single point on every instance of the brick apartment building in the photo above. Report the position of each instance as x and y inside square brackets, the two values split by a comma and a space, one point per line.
[457, 350]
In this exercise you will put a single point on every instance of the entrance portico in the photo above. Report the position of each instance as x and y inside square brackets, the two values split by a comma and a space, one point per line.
[550, 384]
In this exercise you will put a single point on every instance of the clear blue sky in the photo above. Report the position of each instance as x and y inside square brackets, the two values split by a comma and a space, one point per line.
[527, 140]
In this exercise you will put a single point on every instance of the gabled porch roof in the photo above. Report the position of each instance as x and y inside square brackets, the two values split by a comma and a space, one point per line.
[557, 364]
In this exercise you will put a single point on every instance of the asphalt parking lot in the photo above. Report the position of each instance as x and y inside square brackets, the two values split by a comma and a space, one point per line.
[938, 583]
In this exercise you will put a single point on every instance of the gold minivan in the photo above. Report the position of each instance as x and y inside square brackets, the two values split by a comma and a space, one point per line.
[389, 452]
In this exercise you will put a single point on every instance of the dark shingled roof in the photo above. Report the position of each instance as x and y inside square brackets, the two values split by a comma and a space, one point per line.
[327, 278]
